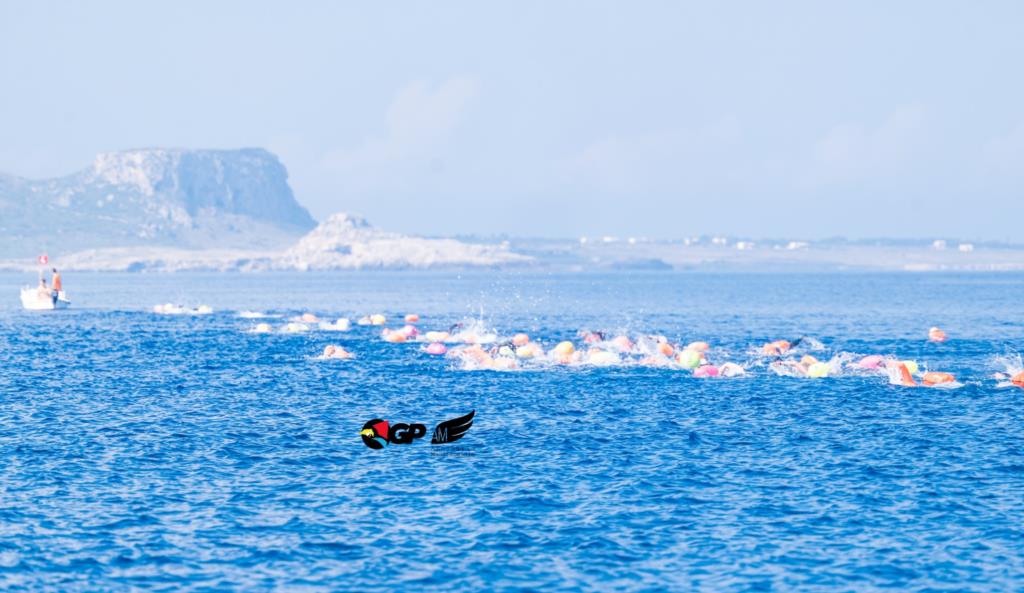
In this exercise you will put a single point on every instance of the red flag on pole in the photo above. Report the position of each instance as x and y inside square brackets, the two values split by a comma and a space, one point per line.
[43, 259]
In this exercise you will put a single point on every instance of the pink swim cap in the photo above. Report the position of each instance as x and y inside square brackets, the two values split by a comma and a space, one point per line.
[706, 371]
[870, 362]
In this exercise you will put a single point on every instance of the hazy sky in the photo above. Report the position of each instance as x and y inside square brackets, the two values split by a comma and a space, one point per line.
[666, 119]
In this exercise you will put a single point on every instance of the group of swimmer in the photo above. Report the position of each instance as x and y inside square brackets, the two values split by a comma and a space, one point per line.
[475, 347]
[900, 372]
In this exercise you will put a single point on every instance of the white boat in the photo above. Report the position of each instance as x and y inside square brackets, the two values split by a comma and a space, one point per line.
[34, 300]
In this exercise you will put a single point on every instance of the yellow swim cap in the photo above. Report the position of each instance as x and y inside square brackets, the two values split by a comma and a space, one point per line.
[688, 359]
[818, 370]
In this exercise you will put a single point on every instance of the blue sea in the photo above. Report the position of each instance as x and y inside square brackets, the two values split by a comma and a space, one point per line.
[147, 452]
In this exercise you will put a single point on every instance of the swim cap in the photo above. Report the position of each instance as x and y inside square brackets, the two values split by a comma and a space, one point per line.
[705, 371]
[688, 359]
[393, 337]
[936, 378]
[623, 343]
[870, 362]
[818, 370]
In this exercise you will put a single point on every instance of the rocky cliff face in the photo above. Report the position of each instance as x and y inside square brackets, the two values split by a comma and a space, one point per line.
[154, 197]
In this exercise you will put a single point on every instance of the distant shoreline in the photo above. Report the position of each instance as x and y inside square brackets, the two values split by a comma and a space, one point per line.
[550, 255]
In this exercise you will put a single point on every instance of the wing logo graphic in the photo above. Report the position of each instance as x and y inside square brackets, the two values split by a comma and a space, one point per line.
[450, 431]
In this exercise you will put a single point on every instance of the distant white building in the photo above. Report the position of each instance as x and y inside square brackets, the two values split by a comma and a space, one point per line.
[794, 245]
[744, 245]
[938, 244]
[966, 247]
[719, 241]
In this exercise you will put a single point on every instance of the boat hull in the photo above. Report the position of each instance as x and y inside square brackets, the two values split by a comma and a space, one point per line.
[33, 301]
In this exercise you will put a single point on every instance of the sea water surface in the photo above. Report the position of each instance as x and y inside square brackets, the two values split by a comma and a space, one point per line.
[185, 453]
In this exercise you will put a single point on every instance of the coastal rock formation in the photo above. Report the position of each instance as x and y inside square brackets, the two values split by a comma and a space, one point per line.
[344, 241]
[193, 199]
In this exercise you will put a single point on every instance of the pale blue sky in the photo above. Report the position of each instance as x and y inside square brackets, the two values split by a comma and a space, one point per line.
[666, 119]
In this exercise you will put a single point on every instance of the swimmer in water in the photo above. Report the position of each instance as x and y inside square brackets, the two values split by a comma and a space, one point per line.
[731, 369]
[808, 366]
[690, 359]
[900, 372]
[933, 378]
[622, 343]
[776, 348]
[332, 351]
[871, 362]
[564, 353]
[474, 357]
[1014, 376]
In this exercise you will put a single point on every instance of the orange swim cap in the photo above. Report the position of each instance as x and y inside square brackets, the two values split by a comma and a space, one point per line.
[775, 348]
[936, 378]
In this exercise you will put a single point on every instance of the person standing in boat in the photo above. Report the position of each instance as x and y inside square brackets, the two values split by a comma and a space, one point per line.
[56, 284]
